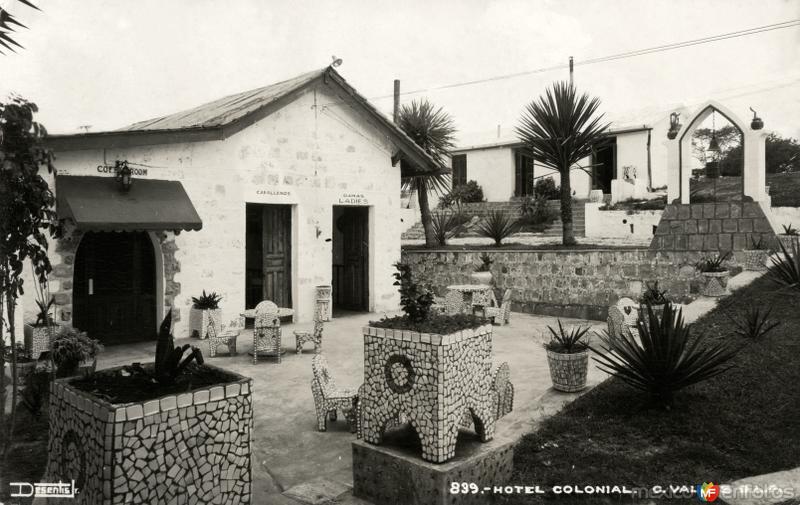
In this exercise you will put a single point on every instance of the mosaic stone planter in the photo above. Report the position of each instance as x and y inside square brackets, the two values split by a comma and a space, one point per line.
[431, 381]
[755, 260]
[37, 338]
[716, 284]
[789, 241]
[192, 447]
[198, 321]
[323, 302]
[568, 371]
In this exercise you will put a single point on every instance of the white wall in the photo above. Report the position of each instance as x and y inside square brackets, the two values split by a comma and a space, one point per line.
[617, 223]
[493, 169]
[632, 151]
[314, 157]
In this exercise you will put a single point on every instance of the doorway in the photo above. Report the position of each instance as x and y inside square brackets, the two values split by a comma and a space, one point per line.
[114, 287]
[523, 173]
[268, 252]
[604, 166]
[351, 258]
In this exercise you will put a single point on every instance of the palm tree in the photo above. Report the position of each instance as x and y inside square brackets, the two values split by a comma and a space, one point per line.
[432, 129]
[7, 24]
[559, 129]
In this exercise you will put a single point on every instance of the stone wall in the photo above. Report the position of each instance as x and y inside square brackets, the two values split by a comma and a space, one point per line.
[195, 444]
[571, 283]
[720, 226]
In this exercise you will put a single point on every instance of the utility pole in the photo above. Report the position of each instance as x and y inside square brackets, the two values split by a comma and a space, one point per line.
[571, 70]
[396, 109]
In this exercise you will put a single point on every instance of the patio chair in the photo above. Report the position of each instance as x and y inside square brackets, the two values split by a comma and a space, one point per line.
[501, 313]
[315, 336]
[220, 334]
[616, 322]
[328, 398]
[267, 330]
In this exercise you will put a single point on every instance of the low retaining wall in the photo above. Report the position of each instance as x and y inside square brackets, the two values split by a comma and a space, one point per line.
[620, 223]
[570, 283]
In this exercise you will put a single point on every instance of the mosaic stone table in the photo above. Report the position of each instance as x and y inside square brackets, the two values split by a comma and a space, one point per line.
[432, 381]
[472, 295]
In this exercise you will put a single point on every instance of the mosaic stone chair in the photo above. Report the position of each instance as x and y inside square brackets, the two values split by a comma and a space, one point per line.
[220, 334]
[267, 330]
[501, 314]
[328, 398]
[315, 335]
[481, 300]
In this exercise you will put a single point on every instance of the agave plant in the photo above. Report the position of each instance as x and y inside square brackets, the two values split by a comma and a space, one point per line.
[170, 360]
[654, 296]
[713, 264]
[497, 226]
[486, 263]
[785, 267]
[43, 315]
[666, 358]
[446, 225]
[755, 324]
[205, 301]
[790, 230]
[566, 341]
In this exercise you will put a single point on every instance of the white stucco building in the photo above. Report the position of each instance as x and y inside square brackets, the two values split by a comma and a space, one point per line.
[261, 195]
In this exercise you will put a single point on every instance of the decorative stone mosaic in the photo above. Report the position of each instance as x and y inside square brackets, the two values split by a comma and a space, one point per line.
[186, 448]
[37, 339]
[323, 302]
[568, 371]
[329, 398]
[431, 381]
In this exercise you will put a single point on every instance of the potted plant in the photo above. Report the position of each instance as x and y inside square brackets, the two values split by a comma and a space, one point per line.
[716, 274]
[568, 357]
[755, 258]
[74, 353]
[483, 272]
[202, 306]
[177, 422]
[39, 334]
[655, 297]
[26, 363]
[789, 236]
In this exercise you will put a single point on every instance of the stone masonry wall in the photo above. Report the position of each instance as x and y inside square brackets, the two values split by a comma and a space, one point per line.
[575, 283]
[193, 447]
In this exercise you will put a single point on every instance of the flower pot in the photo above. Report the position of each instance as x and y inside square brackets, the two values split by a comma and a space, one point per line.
[788, 241]
[481, 277]
[755, 260]
[37, 338]
[568, 371]
[716, 283]
[198, 321]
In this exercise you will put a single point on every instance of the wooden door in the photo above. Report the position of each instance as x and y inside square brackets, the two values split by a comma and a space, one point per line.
[114, 288]
[351, 283]
[268, 247]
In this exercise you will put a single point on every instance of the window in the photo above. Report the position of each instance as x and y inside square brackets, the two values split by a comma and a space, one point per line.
[459, 169]
[523, 173]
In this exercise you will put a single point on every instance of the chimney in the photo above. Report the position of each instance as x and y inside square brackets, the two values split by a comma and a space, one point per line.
[396, 99]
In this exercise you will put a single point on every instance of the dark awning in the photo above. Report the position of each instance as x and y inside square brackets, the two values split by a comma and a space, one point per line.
[99, 204]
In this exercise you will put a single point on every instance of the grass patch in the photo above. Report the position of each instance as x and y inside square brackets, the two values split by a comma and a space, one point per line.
[742, 423]
[783, 188]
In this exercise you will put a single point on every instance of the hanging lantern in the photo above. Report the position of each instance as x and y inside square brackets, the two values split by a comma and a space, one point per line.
[713, 146]
[124, 175]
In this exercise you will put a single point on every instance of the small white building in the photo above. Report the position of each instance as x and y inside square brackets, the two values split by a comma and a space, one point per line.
[260, 195]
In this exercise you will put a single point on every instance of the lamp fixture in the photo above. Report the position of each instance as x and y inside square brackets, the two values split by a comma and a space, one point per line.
[757, 123]
[674, 125]
[123, 174]
[713, 146]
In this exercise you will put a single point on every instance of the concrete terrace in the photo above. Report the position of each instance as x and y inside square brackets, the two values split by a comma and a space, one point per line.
[289, 454]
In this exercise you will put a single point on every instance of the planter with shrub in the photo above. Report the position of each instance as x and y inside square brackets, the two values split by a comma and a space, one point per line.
[755, 258]
[74, 353]
[152, 433]
[483, 272]
[789, 236]
[568, 357]
[716, 274]
[200, 315]
[39, 334]
[653, 297]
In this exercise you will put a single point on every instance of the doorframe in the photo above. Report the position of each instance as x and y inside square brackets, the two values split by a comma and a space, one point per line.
[370, 271]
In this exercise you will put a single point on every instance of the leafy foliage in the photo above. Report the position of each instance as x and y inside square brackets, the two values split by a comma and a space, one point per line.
[785, 268]
[782, 154]
[447, 224]
[205, 301]
[434, 131]
[170, 360]
[497, 226]
[666, 358]
[654, 296]
[755, 323]
[471, 192]
[486, 263]
[546, 187]
[560, 129]
[439, 324]
[714, 264]
[790, 230]
[36, 391]
[565, 341]
[415, 298]
[69, 348]
[535, 210]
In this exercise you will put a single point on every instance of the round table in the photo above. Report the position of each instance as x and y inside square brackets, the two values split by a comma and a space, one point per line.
[474, 295]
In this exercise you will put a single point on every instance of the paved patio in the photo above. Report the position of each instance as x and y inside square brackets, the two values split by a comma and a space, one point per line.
[288, 451]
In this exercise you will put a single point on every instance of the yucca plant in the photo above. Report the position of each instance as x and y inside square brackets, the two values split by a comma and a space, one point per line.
[755, 323]
[566, 341]
[205, 301]
[666, 358]
[713, 264]
[497, 226]
[446, 225]
[785, 267]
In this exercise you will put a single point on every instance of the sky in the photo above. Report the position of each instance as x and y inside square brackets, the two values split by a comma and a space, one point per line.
[110, 63]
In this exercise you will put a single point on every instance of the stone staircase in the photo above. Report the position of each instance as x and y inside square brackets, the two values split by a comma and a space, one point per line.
[512, 207]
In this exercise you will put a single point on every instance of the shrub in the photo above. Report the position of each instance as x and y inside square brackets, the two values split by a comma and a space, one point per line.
[713, 264]
[667, 357]
[785, 267]
[69, 348]
[654, 296]
[497, 226]
[547, 189]
[471, 192]
[754, 324]
[535, 210]
[205, 301]
[439, 324]
[36, 392]
[415, 298]
[447, 224]
[567, 342]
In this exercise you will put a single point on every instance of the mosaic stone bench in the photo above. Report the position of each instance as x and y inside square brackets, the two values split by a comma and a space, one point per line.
[431, 381]
[161, 451]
